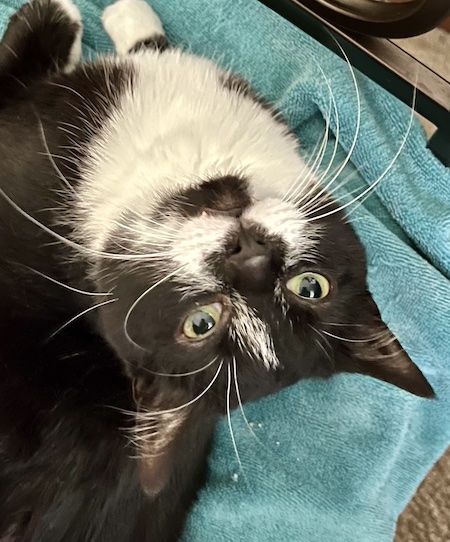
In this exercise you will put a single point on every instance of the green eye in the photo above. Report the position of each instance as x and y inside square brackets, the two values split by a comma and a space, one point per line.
[309, 286]
[202, 321]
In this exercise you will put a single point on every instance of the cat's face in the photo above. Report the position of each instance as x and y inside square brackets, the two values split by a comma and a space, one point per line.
[254, 290]
[234, 261]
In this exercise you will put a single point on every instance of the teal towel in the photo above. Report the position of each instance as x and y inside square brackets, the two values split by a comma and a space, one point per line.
[332, 461]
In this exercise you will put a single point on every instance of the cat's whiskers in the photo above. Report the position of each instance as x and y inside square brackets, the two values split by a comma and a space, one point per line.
[190, 373]
[288, 195]
[72, 244]
[327, 199]
[78, 316]
[146, 418]
[294, 196]
[373, 185]
[230, 425]
[241, 406]
[340, 168]
[318, 182]
[305, 168]
[322, 347]
[302, 182]
[373, 338]
[343, 324]
[71, 288]
[137, 301]
[86, 103]
[51, 158]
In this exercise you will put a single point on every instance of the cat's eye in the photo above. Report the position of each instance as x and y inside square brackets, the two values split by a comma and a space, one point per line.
[309, 285]
[201, 322]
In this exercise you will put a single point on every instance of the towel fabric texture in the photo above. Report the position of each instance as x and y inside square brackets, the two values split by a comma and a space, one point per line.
[332, 461]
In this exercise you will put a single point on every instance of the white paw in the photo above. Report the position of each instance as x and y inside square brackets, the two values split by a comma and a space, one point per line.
[128, 22]
[71, 10]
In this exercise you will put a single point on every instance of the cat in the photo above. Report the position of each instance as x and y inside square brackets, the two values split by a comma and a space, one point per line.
[166, 255]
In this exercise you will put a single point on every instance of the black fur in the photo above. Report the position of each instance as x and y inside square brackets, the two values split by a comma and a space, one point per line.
[66, 467]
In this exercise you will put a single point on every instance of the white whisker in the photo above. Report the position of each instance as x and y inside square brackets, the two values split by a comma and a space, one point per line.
[340, 168]
[184, 374]
[79, 315]
[230, 425]
[153, 416]
[380, 178]
[71, 288]
[241, 407]
[69, 242]
[133, 306]
[51, 159]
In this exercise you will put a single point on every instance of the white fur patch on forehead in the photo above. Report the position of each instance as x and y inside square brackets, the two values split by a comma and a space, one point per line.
[284, 221]
[197, 240]
[251, 334]
[175, 126]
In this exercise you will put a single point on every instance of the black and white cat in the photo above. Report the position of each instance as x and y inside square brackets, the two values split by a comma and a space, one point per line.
[166, 254]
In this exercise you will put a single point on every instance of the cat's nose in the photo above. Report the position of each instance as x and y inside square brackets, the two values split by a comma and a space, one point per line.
[250, 261]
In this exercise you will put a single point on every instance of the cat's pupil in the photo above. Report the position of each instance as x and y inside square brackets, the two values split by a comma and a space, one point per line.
[202, 322]
[310, 288]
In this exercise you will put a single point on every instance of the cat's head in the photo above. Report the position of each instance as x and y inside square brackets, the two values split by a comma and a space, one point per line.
[264, 287]
[236, 276]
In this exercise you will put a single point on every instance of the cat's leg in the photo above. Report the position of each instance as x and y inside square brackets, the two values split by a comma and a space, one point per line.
[44, 36]
[132, 25]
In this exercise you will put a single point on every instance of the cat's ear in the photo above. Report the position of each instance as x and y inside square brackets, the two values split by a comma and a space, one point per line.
[373, 350]
[160, 425]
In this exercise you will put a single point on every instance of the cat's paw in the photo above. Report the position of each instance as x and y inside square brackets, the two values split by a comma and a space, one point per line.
[130, 22]
[70, 10]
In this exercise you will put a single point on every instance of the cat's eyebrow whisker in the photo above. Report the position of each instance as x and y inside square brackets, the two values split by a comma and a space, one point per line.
[72, 244]
[345, 339]
[343, 324]
[305, 169]
[152, 416]
[71, 288]
[78, 316]
[137, 301]
[340, 168]
[302, 182]
[372, 186]
[326, 201]
[320, 149]
[51, 158]
[89, 105]
[335, 148]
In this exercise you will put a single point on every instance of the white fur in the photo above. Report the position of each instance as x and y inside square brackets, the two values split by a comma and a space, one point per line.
[283, 220]
[129, 21]
[251, 334]
[71, 10]
[197, 240]
[175, 128]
